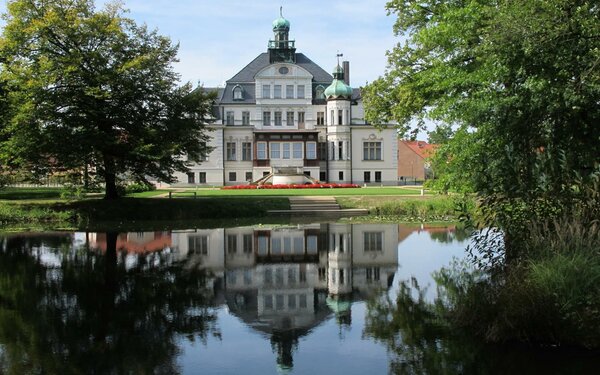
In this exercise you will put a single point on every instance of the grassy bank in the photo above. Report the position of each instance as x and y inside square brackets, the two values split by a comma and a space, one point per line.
[87, 213]
[547, 297]
[408, 209]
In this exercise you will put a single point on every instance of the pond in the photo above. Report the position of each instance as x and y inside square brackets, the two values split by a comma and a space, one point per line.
[333, 298]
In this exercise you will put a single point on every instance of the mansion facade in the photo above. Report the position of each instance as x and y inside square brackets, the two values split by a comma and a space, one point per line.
[283, 112]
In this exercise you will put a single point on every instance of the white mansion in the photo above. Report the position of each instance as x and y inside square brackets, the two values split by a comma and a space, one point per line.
[283, 111]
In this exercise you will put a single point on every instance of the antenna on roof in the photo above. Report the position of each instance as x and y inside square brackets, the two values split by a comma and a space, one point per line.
[281, 11]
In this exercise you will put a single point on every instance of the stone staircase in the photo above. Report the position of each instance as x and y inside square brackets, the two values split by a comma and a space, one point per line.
[316, 205]
[307, 204]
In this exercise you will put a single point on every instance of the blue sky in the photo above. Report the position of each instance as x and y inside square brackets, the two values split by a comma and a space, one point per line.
[218, 38]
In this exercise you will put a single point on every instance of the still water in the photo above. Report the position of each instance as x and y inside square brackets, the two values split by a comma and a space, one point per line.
[302, 299]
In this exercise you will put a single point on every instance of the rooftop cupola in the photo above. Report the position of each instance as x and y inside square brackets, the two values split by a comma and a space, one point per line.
[338, 88]
[281, 48]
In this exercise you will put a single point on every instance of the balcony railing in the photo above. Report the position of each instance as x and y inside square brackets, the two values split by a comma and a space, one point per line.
[262, 163]
[282, 44]
[311, 162]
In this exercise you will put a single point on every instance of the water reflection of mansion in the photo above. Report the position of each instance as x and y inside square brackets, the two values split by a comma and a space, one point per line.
[284, 281]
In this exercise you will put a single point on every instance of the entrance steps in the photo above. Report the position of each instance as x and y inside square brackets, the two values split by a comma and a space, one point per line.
[317, 206]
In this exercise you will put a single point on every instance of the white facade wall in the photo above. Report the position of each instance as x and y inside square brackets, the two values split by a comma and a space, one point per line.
[387, 166]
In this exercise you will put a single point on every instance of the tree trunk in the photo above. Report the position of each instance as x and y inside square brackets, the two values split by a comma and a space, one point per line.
[110, 178]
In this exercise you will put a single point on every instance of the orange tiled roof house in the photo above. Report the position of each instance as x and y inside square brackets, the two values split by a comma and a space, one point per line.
[413, 160]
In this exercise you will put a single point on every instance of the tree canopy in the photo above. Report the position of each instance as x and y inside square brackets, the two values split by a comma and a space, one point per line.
[521, 76]
[88, 86]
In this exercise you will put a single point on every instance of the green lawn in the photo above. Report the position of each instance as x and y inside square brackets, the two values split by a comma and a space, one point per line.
[147, 194]
[307, 192]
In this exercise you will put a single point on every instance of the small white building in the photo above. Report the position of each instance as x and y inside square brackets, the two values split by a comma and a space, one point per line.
[283, 111]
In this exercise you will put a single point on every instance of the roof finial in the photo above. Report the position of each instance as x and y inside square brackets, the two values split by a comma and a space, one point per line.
[281, 11]
[338, 56]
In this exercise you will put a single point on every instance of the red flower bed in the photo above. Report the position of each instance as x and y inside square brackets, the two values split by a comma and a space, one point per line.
[292, 186]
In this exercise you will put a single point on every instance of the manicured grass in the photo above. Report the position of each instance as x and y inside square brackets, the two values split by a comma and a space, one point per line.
[148, 194]
[309, 192]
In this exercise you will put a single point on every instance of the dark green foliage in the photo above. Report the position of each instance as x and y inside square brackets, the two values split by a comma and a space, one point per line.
[96, 313]
[423, 336]
[519, 79]
[90, 87]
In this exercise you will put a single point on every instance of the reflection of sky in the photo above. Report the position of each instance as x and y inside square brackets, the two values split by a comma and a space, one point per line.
[419, 257]
[241, 347]
[328, 349]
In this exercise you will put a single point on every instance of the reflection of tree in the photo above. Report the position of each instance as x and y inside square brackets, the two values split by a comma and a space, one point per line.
[447, 236]
[97, 314]
[422, 339]
[415, 333]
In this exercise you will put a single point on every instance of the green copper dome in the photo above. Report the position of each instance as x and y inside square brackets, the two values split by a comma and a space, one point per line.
[338, 88]
[281, 23]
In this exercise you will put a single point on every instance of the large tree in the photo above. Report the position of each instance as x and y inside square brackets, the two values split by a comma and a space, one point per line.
[89, 86]
[522, 75]
[520, 78]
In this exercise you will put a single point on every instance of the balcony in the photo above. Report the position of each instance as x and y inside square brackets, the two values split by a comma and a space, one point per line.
[262, 163]
[311, 162]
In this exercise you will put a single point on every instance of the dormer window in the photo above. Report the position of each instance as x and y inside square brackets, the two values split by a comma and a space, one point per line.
[320, 92]
[238, 93]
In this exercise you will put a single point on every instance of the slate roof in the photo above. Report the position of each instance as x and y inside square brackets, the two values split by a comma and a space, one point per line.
[245, 77]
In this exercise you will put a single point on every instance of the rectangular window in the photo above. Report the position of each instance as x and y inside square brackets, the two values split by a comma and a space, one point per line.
[202, 177]
[275, 150]
[203, 157]
[277, 118]
[247, 245]
[289, 91]
[249, 176]
[245, 118]
[320, 118]
[341, 175]
[297, 150]
[289, 119]
[340, 120]
[267, 118]
[373, 274]
[286, 150]
[377, 176]
[322, 176]
[266, 91]
[231, 151]
[198, 245]
[232, 176]
[261, 150]
[311, 150]
[277, 92]
[340, 150]
[331, 122]
[323, 151]
[300, 91]
[191, 178]
[372, 151]
[268, 302]
[246, 151]
[231, 244]
[229, 118]
[367, 176]
[373, 241]
[300, 118]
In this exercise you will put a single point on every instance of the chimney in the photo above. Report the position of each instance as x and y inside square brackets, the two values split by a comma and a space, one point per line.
[346, 67]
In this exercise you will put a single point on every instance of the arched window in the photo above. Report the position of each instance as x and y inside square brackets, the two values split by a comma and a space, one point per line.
[320, 92]
[238, 93]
